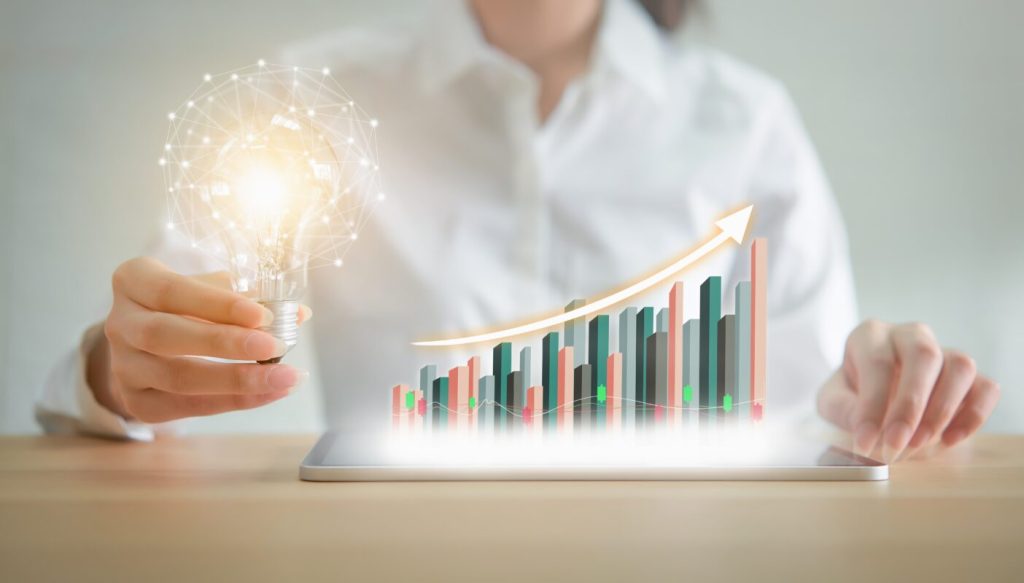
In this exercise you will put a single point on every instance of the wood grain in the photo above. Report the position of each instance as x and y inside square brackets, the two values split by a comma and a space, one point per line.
[232, 508]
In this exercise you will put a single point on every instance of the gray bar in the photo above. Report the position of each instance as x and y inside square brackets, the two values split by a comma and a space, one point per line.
[657, 373]
[727, 364]
[627, 346]
[662, 320]
[485, 416]
[584, 408]
[576, 333]
[427, 376]
[743, 349]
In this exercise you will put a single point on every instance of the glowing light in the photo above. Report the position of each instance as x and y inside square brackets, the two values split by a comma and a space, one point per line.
[171, 116]
[374, 123]
[263, 191]
[255, 189]
[207, 77]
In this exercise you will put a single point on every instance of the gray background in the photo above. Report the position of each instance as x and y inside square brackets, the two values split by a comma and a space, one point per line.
[917, 108]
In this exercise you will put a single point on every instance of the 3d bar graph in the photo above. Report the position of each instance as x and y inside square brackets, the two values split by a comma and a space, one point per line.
[654, 370]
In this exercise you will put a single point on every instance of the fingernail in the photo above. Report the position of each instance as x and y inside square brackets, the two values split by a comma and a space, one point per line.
[285, 377]
[954, 437]
[267, 318]
[865, 437]
[307, 312]
[256, 346]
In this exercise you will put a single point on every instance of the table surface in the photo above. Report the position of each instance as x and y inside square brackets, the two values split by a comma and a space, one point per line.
[232, 507]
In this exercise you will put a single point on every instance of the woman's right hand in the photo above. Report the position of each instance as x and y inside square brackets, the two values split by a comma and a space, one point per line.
[144, 366]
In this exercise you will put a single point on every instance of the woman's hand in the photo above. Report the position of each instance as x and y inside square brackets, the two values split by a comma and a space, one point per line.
[143, 366]
[899, 390]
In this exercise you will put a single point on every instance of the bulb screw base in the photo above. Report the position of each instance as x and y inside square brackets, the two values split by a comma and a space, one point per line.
[285, 326]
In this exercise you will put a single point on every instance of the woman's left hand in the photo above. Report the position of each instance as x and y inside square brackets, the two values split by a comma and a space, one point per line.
[898, 390]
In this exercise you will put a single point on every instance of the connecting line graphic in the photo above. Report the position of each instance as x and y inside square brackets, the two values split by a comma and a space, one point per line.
[733, 228]
[512, 412]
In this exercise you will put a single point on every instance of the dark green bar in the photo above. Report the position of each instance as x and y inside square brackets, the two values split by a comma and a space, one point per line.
[597, 344]
[440, 402]
[582, 411]
[710, 313]
[657, 373]
[644, 328]
[727, 364]
[502, 365]
[549, 377]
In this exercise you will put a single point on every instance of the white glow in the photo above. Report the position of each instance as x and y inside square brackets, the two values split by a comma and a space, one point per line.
[715, 447]
[263, 191]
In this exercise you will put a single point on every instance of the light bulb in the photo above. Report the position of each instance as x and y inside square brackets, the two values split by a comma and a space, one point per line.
[277, 183]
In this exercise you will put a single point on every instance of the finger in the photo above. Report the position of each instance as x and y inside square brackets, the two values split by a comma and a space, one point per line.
[150, 284]
[837, 402]
[195, 376]
[221, 279]
[976, 408]
[958, 372]
[154, 406]
[171, 335]
[872, 360]
[305, 313]
[920, 362]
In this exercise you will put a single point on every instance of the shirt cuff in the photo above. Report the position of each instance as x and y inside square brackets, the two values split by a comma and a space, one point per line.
[69, 405]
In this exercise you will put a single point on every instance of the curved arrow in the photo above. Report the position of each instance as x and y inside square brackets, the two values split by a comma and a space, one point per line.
[733, 226]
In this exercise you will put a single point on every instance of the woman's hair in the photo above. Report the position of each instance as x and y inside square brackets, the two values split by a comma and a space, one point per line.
[668, 14]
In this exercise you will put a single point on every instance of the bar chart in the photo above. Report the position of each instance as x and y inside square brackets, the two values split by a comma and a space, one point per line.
[661, 371]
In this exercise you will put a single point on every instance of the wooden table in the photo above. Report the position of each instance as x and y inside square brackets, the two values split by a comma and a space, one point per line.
[219, 508]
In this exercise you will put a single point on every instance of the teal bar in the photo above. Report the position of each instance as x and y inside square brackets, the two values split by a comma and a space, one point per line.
[743, 349]
[501, 363]
[644, 328]
[691, 367]
[710, 314]
[549, 378]
[440, 403]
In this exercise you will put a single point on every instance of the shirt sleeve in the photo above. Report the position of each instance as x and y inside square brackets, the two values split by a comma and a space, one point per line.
[68, 405]
[811, 299]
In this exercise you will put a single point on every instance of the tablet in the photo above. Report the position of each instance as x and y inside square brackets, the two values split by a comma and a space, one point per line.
[352, 457]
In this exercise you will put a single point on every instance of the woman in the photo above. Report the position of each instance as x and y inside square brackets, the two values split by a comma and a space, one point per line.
[536, 151]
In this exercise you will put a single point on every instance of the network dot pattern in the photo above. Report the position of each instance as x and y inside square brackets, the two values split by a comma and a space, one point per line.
[271, 170]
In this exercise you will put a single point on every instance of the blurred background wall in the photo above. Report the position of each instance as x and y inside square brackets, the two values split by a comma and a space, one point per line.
[917, 108]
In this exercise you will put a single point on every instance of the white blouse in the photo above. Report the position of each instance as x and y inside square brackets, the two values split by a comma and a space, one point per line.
[492, 217]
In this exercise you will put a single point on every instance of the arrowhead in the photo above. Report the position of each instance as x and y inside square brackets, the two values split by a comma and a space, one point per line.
[735, 225]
